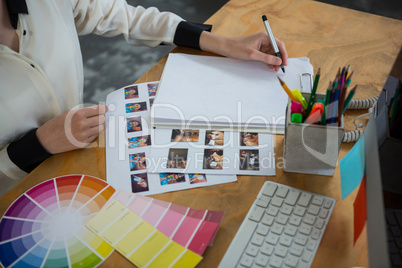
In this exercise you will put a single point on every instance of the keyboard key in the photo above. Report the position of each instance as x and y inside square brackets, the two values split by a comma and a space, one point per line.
[309, 219]
[262, 260]
[299, 211]
[286, 209]
[281, 219]
[295, 220]
[318, 200]
[328, 203]
[263, 201]
[273, 211]
[246, 260]
[252, 250]
[301, 239]
[292, 197]
[306, 255]
[262, 229]
[282, 191]
[315, 234]
[277, 228]
[256, 213]
[257, 239]
[324, 213]
[305, 229]
[313, 209]
[285, 240]
[267, 249]
[281, 251]
[272, 238]
[270, 190]
[267, 220]
[296, 250]
[277, 201]
[304, 199]
[276, 261]
[291, 261]
[311, 244]
[290, 230]
[320, 223]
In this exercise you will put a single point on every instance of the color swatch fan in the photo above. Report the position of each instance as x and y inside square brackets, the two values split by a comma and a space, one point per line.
[45, 227]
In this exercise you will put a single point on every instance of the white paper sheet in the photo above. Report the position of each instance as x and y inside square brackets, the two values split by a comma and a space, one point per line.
[127, 148]
[221, 93]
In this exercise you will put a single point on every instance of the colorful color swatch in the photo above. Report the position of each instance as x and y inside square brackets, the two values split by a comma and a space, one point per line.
[45, 227]
[194, 229]
[139, 241]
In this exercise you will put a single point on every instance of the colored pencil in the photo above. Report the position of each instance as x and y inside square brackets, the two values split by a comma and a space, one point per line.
[349, 98]
[313, 91]
[287, 90]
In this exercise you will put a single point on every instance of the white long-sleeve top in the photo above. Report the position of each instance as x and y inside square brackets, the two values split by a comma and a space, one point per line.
[45, 78]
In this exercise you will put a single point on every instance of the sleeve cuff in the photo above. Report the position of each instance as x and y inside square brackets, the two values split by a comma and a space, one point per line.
[188, 34]
[27, 152]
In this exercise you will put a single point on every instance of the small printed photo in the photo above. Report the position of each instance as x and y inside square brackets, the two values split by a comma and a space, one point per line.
[249, 160]
[213, 159]
[151, 102]
[214, 137]
[134, 124]
[131, 92]
[139, 182]
[171, 178]
[177, 158]
[136, 107]
[185, 135]
[248, 139]
[152, 88]
[140, 141]
[197, 178]
[138, 161]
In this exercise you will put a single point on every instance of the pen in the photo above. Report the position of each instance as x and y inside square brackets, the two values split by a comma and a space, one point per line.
[272, 39]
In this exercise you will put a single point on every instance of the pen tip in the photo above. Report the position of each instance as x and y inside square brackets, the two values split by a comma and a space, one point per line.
[264, 17]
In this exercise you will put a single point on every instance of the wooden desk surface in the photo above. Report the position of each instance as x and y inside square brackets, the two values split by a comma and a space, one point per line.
[331, 37]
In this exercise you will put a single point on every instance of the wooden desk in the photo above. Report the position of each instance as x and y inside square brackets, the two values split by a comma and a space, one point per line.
[331, 37]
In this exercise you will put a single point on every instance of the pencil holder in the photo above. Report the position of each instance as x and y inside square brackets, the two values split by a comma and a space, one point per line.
[310, 148]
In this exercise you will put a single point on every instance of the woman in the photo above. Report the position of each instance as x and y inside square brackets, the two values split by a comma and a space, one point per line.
[41, 70]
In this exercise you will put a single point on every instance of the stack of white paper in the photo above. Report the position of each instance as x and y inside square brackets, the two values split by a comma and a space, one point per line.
[221, 93]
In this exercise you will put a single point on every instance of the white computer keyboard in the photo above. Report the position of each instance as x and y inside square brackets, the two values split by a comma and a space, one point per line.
[283, 228]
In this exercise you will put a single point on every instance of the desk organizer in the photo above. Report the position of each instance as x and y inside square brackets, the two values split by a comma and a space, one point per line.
[309, 148]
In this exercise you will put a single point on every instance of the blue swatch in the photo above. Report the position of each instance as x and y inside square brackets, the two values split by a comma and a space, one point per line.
[352, 167]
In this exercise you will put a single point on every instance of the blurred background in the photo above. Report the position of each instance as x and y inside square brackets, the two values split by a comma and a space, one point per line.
[109, 63]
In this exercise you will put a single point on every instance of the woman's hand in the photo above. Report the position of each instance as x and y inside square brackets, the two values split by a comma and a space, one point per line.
[251, 47]
[72, 130]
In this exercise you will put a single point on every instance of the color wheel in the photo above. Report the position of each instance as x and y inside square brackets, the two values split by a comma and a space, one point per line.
[45, 226]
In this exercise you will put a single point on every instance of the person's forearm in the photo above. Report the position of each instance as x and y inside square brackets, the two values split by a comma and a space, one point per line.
[213, 43]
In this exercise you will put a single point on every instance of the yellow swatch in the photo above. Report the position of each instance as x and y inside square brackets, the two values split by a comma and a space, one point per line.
[189, 259]
[167, 256]
[116, 231]
[101, 220]
[149, 249]
[134, 238]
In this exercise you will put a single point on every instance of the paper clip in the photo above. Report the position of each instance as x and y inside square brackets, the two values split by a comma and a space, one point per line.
[301, 81]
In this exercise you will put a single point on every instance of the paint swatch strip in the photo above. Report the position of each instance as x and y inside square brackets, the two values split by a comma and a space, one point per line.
[194, 229]
[139, 241]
